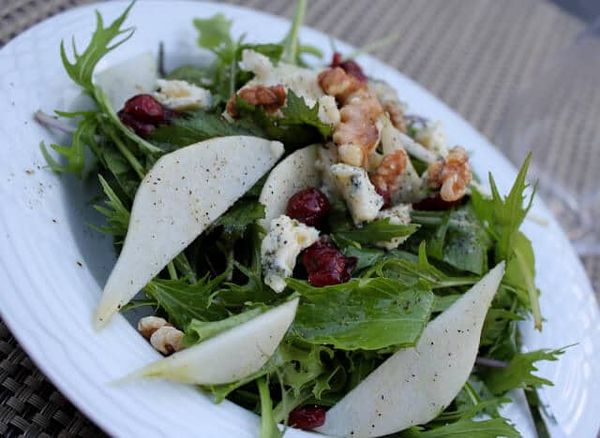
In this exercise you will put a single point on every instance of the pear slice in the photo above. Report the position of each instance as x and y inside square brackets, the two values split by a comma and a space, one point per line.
[415, 384]
[296, 172]
[230, 356]
[178, 199]
[126, 79]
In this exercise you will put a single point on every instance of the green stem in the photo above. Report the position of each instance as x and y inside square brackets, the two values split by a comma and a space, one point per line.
[268, 427]
[232, 69]
[290, 42]
[185, 268]
[531, 290]
[535, 408]
[473, 396]
[172, 271]
[133, 162]
[375, 45]
[454, 282]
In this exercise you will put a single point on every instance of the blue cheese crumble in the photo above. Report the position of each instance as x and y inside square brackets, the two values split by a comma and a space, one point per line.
[433, 136]
[358, 191]
[280, 248]
[398, 215]
[182, 96]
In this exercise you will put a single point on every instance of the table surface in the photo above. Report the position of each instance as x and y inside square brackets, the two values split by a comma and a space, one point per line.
[472, 54]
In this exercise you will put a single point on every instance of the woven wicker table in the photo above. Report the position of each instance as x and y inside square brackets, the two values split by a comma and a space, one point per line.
[496, 45]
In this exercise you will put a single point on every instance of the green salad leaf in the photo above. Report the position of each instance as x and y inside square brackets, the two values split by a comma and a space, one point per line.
[83, 138]
[381, 230]
[366, 257]
[198, 331]
[200, 126]
[496, 427]
[411, 270]
[367, 314]
[214, 32]
[457, 238]
[184, 302]
[81, 70]
[240, 215]
[116, 214]
[519, 372]
[503, 217]
[297, 112]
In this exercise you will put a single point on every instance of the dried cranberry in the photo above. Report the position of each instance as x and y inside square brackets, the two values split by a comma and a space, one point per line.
[143, 113]
[326, 265]
[309, 206]
[142, 129]
[307, 417]
[436, 203]
[145, 108]
[349, 66]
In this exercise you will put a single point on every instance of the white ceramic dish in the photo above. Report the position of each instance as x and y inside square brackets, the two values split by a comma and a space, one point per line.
[52, 266]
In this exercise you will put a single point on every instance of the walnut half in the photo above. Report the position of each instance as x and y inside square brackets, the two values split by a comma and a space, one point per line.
[452, 175]
[385, 177]
[270, 98]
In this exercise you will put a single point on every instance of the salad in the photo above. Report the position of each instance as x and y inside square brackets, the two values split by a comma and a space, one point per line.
[305, 246]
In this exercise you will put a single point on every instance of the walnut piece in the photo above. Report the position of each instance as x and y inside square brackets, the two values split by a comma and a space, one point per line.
[396, 114]
[452, 175]
[270, 98]
[167, 340]
[385, 177]
[356, 134]
[336, 82]
[149, 324]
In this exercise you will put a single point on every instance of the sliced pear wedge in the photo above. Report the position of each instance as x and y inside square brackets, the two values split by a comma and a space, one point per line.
[182, 194]
[415, 384]
[293, 174]
[232, 355]
[126, 79]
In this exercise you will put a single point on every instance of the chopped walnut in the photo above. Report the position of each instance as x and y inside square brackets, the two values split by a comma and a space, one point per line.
[451, 175]
[270, 98]
[385, 177]
[336, 82]
[167, 340]
[149, 324]
[396, 113]
[356, 134]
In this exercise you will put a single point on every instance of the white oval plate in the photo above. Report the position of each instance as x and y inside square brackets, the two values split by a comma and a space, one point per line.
[53, 266]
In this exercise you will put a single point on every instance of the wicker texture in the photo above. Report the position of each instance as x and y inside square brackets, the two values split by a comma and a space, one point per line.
[473, 54]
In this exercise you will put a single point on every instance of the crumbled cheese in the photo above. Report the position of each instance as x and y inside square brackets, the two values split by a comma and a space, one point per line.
[358, 191]
[280, 248]
[302, 81]
[398, 215]
[392, 139]
[433, 136]
[328, 110]
[386, 93]
[182, 96]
